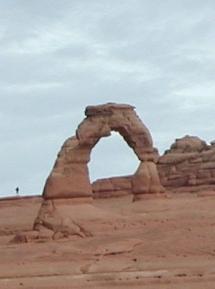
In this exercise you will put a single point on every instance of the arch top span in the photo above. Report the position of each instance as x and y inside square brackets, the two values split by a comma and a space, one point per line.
[70, 177]
[102, 119]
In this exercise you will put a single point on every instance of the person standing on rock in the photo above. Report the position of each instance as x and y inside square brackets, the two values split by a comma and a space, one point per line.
[17, 191]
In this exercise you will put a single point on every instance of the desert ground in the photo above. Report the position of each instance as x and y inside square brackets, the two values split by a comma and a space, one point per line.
[166, 243]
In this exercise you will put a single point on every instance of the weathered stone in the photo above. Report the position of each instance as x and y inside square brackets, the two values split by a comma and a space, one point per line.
[51, 218]
[112, 187]
[213, 173]
[203, 174]
[189, 162]
[72, 182]
[69, 178]
[188, 144]
[146, 180]
[208, 165]
[25, 237]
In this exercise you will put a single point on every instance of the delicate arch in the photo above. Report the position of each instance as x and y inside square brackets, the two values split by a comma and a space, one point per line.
[70, 177]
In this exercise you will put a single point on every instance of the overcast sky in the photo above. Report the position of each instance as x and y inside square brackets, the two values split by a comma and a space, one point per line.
[56, 57]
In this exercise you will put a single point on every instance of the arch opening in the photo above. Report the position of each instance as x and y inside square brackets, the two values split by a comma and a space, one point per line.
[112, 157]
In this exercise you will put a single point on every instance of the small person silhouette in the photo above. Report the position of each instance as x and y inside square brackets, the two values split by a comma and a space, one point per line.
[17, 191]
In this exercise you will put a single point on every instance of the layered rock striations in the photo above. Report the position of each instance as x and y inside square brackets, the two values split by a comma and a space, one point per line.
[189, 164]
[112, 187]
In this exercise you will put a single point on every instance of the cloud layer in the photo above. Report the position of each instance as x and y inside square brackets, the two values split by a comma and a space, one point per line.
[59, 56]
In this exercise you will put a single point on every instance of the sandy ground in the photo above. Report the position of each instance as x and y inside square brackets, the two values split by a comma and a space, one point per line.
[158, 243]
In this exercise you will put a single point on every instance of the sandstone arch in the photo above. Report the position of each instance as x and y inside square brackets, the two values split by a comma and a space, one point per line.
[70, 177]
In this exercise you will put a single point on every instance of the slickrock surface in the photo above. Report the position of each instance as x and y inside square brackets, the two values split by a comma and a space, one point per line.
[156, 243]
[189, 166]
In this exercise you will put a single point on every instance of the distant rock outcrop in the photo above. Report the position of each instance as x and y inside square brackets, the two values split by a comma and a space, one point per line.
[112, 187]
[188, 164]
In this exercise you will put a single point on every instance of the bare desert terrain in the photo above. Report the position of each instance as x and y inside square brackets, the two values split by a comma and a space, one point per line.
[154, 243]
[153, 229]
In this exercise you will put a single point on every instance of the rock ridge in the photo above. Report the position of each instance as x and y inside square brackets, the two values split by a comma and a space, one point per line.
[189, 163]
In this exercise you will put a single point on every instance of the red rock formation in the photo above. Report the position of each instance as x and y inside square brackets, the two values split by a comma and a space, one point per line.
[112, 187]
[69, 184]
[69, 177]
[190, 163]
